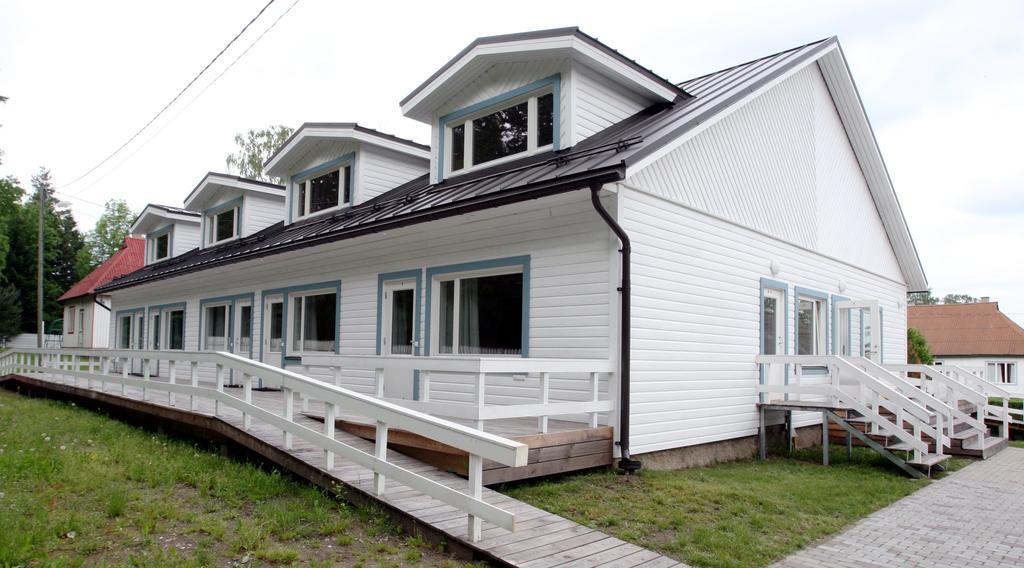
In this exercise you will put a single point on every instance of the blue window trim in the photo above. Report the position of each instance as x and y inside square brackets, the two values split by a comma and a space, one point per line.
[285, 294]
[553, 81]
[523, 262]
[173, 306]
[165, 230]
[835, 324]
[769, 284]
[130, 311]
[220, 208]
[230, 301]
[823, 296]
[348, 159]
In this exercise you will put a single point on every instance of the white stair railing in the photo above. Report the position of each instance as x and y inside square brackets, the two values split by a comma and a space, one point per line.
[844, 384]
[951, 415]
[951, 392]
[91, 368]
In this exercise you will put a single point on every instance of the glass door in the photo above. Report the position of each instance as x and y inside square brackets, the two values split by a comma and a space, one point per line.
[773, 319]
[243, 328]
[397, 334]
[868, 314]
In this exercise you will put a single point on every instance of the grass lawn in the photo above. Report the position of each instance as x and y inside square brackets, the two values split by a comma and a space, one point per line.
[1017, 443]
[747, 513]
[77, 488]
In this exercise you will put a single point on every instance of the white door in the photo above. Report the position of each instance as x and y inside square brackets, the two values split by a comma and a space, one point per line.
[397, 333]
[138, 340]
[773, 318]
[81, 327]
[868, 315]
[273, 330]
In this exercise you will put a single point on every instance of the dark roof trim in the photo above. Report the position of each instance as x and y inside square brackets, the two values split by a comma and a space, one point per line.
[543, 188]
[540, 34]
[341, 125]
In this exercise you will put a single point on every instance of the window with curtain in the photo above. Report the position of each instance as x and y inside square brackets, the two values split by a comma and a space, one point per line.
[216, 323]
[124, 337]
[314, 323]
[481, 315]
[244, 329]
[1004, 373]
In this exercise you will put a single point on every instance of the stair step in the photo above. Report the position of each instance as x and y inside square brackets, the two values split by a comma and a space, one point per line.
[901, 446]
[929, 460]
[965, 434]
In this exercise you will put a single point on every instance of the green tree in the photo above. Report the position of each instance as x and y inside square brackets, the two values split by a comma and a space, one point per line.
[63, 244]
[10, 312]
[922, 299]
[254, 148]
[958, 299]
[11, 195]
[108, 236]
[917, 348]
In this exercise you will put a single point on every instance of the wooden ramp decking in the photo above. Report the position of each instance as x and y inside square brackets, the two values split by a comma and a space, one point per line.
[541, 538]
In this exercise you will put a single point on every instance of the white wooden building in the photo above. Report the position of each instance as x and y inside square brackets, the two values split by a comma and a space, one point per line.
[478, 278]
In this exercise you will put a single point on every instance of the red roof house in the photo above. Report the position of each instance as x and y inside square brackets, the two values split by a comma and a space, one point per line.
[86, 316]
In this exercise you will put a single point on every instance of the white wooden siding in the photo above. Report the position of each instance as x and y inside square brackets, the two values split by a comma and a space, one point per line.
[696, 310]
[261, 211]
[781, 165]
[599, 102]
[569, 251]
[383, 170]
[186, 238]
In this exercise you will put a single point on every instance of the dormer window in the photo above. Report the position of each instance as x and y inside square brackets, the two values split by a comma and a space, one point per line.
[158, 244]
[324, 191]
[512, 125]
[222, 222]
[162, 247]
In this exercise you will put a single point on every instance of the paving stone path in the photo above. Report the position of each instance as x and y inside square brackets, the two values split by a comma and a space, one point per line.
[974, 517]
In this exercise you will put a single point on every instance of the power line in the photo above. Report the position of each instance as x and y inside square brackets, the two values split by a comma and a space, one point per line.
[187, 106]
[176, 97]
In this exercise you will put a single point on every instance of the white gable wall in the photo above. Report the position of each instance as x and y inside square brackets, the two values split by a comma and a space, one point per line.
[598, 103]
[383, 170]
[185, 238]
[781, 165]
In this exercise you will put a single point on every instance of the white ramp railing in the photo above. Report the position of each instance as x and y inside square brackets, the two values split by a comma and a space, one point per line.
[837, 381]
[95, 367]
[1002, 413]
[950, 413]
[590, 380]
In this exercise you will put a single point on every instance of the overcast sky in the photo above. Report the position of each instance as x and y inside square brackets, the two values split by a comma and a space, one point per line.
[942, 83]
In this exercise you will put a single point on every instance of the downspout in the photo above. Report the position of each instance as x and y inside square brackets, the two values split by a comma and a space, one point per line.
[626, 463]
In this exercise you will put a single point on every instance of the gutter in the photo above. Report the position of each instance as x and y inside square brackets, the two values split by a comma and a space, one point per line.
[97, 301]
[626, 463]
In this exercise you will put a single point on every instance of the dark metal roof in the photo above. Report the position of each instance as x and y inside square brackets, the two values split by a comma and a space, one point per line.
[601, 158]
[351, 125]
[175, 210]
[540, 34]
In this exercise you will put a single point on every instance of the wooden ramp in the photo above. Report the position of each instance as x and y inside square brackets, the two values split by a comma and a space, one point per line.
[541, 538]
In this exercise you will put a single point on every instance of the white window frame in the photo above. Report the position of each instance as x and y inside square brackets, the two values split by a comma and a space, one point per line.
[297, 191]
[467, 121]
[819, 322]
[290, 321]
[155, 247]
[1014, 371]
[69, 320]
[81, 321]
[206, 323]
[211, 222]
[435, 308]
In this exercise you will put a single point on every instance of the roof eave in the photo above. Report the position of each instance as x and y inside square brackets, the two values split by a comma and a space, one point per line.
[277, 164]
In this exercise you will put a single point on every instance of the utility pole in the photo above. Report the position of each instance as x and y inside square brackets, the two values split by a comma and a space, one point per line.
[39, 270]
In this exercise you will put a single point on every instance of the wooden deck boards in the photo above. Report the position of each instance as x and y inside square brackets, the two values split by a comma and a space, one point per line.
[542, 539]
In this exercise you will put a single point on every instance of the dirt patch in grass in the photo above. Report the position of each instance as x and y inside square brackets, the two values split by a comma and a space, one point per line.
[740, 514]
[80, 489]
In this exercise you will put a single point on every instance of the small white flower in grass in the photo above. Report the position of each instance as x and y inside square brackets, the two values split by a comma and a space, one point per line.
[63, 447]
[46, 439]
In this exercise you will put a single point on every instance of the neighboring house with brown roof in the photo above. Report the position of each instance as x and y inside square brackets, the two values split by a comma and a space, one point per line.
[977, 337]
[86, 313]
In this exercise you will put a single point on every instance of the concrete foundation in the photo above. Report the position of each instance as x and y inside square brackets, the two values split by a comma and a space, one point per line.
[727, 450]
